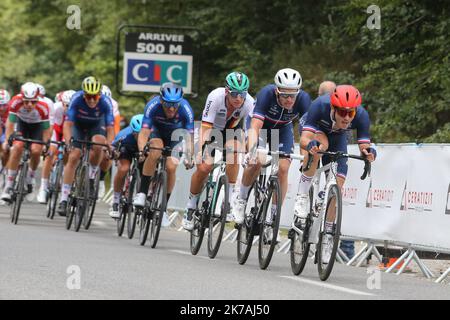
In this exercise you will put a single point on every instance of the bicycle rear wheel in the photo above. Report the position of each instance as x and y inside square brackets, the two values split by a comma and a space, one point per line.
[333, 206]
[19, 193]
[92, 202]
[247, 230]
[132, 218]
[270, 223]
[218, 214]
[82, 196]
[158, 207]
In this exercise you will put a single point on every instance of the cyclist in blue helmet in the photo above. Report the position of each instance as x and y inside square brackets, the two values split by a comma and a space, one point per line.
[124, 146]
[163, 115]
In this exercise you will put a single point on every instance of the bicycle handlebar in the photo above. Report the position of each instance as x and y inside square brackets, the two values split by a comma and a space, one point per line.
[339, 154]
[18, 138]
[89, 143]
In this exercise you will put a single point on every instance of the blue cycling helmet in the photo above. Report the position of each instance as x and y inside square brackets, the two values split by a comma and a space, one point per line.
[171, 92]
[136, 122]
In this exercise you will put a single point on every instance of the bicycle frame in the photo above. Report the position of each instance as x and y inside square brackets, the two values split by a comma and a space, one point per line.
[319, 221]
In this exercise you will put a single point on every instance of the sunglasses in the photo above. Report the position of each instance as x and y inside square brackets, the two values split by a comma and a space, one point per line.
[345, 112]
[286, 95]
[236, 94]
[170, 104]
[92, 97]
[30, 101]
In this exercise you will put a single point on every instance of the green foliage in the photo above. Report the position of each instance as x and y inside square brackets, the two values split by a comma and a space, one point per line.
[403, 70]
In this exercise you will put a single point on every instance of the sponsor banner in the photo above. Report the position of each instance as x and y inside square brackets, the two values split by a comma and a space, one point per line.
[147, 72]
[152, 58]
[405, 200]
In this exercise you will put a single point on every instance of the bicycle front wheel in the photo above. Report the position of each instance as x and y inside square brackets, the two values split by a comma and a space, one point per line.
[200, 216]
[144, 225]
[82, 197]
[270, 222]
[132, 190]
[217, 216]
[92, 202]
[54, 189]
[158, 207]
[300, 241]
[19, 193]
[247, 230]
[329, 241]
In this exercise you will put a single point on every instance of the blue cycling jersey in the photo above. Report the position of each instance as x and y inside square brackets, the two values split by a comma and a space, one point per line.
[275, 116]
[154, 117]
[80, 113]
[126, 136]
[319, 119]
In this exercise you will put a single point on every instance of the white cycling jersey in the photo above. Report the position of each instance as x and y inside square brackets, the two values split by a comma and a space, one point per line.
[51, 109]
[59, 114]
[215, 111]
[115, 105]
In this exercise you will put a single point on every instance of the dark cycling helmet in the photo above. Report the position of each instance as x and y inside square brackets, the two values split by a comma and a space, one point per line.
[345, 96]
[171, 92]
[136, 122]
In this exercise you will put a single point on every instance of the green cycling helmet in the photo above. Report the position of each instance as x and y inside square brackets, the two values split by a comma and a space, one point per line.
[237, 81]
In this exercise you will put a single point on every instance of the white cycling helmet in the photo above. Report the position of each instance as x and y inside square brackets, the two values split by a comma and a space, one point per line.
[41, 88]
[30, 91]
[4, 96]
[106, 91]
[288, 79]
[67, 96]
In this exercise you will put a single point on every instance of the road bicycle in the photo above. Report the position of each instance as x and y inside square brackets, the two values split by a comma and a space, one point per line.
[18, 190]
[259, 220]
[81, 202]
[325, 202]
[55, 180]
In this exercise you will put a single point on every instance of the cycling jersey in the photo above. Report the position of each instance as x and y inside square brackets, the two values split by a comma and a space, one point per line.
[318, 119]
[58, 121]
[79, 112]
[116, 115]
[38, 114]
[275, 116]
[215, 113]
[155, 118]
[126, 137]
[51, 109]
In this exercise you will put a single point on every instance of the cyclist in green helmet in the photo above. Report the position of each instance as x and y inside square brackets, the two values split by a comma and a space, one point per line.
[225, 111]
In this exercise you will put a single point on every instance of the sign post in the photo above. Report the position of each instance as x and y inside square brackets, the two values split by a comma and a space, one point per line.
[155, 55]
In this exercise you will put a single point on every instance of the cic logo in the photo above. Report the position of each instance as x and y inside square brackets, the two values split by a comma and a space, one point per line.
[155, 73]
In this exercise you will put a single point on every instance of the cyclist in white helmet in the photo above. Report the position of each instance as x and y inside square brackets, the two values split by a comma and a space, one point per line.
[4, 99]
[277, 107]
[28, 117]
[60, 112]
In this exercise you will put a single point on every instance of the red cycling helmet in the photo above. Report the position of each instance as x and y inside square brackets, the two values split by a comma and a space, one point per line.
[345, 96]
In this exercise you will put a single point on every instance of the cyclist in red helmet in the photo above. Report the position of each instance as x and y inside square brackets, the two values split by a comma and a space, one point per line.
[324, 128]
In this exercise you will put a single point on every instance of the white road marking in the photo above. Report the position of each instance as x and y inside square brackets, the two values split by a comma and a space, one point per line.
[328, 286]
[189, 254]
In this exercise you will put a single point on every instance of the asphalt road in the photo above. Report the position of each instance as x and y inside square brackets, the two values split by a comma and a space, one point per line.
[40, 259]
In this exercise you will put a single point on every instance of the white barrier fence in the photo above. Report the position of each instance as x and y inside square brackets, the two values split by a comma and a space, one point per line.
[405, 201]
